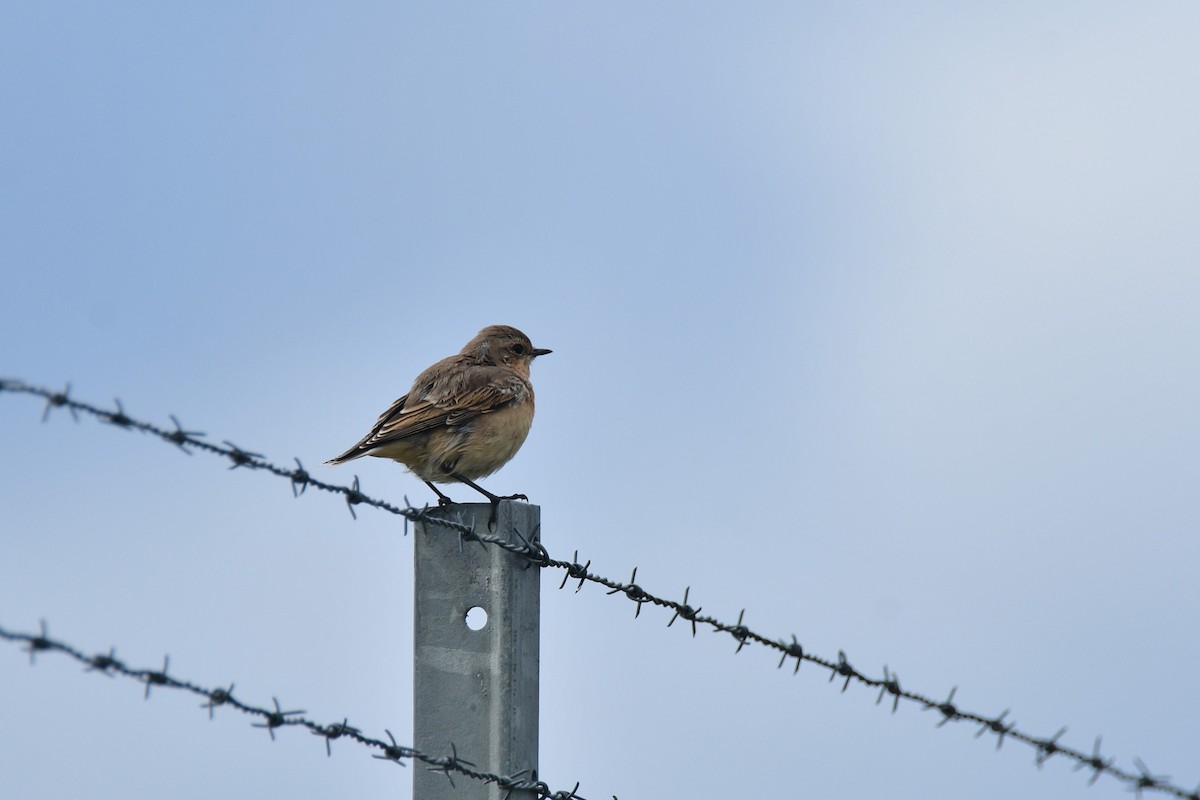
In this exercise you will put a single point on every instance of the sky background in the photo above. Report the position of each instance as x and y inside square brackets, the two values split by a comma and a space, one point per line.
[877, 320]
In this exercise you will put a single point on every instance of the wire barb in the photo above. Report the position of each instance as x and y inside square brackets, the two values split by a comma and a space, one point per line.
[179, 437]
[890, 683]
[159, 678]
[633, 592]
[573, 570]
[275, 719]
[1147, 780]
[35, 644]
[300, 478]
[844, 669]
[103, 663]
[55, 400]
[1048, 747]
[218, 697]
[947, 708]
[739, 631]
[689, 613]
[240, 457]
[118, 417]
[996, 726]
[1097, 763]
[336, 731]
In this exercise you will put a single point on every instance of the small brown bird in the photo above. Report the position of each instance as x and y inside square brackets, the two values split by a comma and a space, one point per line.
[464, 417]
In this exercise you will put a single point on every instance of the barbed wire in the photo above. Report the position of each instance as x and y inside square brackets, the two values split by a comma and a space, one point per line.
[889, 685]
[532, 550]
[299, 477]
[274, 719]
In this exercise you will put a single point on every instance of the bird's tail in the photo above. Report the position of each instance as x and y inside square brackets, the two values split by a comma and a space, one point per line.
[349, 455]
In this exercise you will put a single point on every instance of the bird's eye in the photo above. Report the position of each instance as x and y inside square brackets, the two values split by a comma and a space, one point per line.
[519, 349]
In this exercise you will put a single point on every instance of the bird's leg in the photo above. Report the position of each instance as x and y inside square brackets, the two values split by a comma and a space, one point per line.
[494, 499]
[443, 500]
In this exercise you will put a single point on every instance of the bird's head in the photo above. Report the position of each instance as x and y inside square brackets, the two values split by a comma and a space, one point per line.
[504, 346]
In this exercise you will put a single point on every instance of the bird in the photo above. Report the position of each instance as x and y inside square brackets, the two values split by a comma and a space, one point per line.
[464, 417]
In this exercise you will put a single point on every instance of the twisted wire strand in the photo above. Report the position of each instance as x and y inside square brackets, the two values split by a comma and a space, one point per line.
[276, 718]
[298, 476]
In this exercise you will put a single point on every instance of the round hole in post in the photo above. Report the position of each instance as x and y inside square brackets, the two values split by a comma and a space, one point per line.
[476, 618]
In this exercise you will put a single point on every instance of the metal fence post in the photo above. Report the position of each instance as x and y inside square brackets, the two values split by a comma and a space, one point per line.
[476, 689]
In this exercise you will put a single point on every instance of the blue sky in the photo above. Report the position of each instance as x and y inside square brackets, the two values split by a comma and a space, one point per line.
[877, 320]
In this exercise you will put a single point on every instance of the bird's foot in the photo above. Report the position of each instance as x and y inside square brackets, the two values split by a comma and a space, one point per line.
[443, 500]
[495, 501]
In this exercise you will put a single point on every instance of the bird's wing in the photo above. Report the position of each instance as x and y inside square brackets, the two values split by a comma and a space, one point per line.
[445, 398]
[363, 445]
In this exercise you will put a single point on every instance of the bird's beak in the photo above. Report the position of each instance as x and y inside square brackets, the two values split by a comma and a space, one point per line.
[540, 351]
